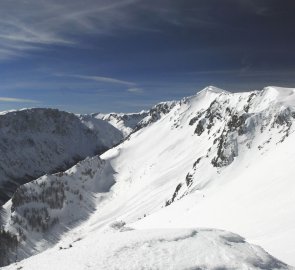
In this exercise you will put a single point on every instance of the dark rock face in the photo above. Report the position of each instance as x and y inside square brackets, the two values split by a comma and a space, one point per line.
[236, 123]
[174, 195]
[284, 118]
[227, 147]
[250, 98]
[200, 128]
[284, 121]
[189, 179]
[196, 118]
[197, 162]
[213, 113]
[226, 151]
[233, 122]
[206, 119]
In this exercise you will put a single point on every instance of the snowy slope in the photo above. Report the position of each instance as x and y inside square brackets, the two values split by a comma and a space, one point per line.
[217, 160]
[155, 249]
[42, 210]
[38, 141]
[226, 166]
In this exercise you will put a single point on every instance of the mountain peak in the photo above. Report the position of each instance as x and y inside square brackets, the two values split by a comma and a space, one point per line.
[279, 91]
[213, 89]
[277, 94]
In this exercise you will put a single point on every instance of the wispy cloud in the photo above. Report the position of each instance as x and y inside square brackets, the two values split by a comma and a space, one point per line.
[135, 90]
[102, 79]
[132, 87]
[99, 79]
[28, 25]
[31, 24]
[17, 100]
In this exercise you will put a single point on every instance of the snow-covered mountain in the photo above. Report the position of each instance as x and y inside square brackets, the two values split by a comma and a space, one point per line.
[217, 160]
[132, 122]
[38, 141]
[125, 122]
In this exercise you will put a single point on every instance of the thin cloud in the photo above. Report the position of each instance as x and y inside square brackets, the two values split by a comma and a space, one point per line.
[34, 24]
[52, 22]
[31, 24]
[17, 100]
[100, 79]
[135, 90]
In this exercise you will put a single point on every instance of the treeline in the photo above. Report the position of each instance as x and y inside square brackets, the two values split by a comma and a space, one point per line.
[52, 194]
[8, 247]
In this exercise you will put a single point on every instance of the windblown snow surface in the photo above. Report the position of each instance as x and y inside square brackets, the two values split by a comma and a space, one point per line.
[215, 160]
[155, 249]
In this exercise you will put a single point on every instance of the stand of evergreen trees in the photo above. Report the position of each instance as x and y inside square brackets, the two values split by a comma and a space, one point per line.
[8, 247]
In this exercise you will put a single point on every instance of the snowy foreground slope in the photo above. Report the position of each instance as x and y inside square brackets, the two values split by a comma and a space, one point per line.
[38, 141]
[214, 160]
[155, 249]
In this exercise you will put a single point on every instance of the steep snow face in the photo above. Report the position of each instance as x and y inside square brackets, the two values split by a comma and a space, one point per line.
[217, 159]
[125, 122]
[38, 141]
[42, 210]
[155, 249]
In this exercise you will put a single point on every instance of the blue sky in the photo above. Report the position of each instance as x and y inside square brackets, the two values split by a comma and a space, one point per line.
[104, 55]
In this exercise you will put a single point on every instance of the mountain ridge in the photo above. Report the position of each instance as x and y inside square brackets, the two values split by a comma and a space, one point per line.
[39, 140]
